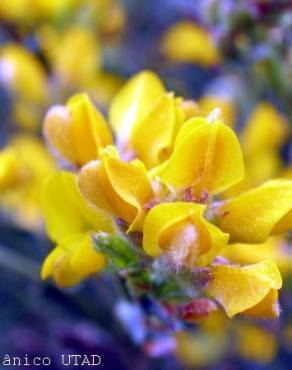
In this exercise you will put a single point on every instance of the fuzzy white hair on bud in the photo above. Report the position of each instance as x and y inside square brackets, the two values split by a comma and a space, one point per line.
[182, 248]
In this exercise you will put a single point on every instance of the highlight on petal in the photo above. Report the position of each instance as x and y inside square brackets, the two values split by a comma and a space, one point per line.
[253, 216]
[206, 156]
[152, 137]
[135, 99]
[188, 42]
[251, 290]
[180, 231]
[124, 187]
[78, 130]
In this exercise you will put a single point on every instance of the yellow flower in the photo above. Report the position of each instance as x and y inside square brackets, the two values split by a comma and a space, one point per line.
[188, 42]
[143, 116]
[9, 168]
[161, 181]
[21, 71]
[122, 187]
[252, 290]
[256, 343]
[103, 87]
[15, 11]
[70, 221]
[254, 215]
[24, 164]
[111, 16]
[274, 248]
[208, 103]
[180, 231]
[152, 138]
[262, 138]
[77, 130]
[266, 129]
[198, 349]
[206, 157]
[70, 65]
[145, 119]
[132, 103]
[26, 11]
[51, 8]
[26, 78]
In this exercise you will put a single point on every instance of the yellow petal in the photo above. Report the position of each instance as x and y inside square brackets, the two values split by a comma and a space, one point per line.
[258, 213]
[136, 98]
[238, 289]
[47, 267]
[85, 260]
[200, 349]
[72, 260]
[89, 129]
[208, 103]
[242, 253]
[57, 265]
[124, 187]
[153, 136]
[23, 73]
[187, 42]
[262, 166]
[256, 343]
[58, 132]
[65, 210]
[15, 11]
[206, 156]
[190, 109]
[103, 87]
[10, 168]
[181, 229]
[52, 8]
[266, 129]
[26, 169]
[70, 67]
[267, 308]
[78, 130]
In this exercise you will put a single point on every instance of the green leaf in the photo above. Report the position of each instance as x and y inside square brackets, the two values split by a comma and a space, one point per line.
[121, 253]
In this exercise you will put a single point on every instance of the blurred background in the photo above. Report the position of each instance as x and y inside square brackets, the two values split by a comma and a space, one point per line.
[236, 55]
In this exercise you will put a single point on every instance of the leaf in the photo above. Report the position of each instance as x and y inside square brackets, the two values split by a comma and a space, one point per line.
[117, 250]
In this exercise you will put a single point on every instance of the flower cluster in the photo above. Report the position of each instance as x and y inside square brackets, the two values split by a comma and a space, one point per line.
[144, 200]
